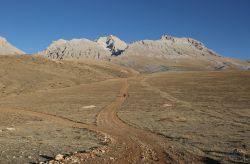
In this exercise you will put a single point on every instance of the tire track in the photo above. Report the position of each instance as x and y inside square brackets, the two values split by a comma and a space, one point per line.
[127, 144]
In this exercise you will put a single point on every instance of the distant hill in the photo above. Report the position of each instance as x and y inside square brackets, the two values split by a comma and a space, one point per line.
[7, 49]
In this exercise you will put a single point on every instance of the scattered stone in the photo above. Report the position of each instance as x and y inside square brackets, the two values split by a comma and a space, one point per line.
[239, 152]
[112, 158]
[75, 161]
[92, 155]
[90, 106]
[244, 146]
[59, 157]
[10, 129]
[167, 105]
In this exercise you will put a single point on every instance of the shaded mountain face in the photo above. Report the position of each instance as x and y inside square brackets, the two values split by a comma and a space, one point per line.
[7, 49]
[115, 45]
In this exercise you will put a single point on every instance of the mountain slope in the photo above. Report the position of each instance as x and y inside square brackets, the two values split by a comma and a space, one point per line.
[102, 48]
[169, 47]
[7, 49]
[75, 49]
[171, 53]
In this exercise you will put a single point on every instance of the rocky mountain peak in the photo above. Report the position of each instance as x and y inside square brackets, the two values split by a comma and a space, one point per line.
[75, 49]
[115, 45]
[197, 44]
[167, 37]
[58, 42]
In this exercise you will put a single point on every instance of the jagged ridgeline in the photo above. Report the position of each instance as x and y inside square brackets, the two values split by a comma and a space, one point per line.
[105, 47]
[166, 53]
[102, 48]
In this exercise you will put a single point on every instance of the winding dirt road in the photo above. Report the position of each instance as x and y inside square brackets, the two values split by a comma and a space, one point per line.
[127, 144]
[131, 145]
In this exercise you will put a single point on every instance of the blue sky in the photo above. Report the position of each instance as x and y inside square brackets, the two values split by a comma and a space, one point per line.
[222, 25]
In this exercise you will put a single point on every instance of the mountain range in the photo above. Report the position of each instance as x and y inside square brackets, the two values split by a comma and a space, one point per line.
[167, 53]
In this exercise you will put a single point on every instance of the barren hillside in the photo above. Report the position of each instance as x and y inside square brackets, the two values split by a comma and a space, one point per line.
[7, 49]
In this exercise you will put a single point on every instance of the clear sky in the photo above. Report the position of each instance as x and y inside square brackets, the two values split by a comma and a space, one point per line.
[222, 25]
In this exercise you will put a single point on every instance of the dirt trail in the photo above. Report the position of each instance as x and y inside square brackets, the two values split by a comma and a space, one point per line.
[132, 145]
[128, 144]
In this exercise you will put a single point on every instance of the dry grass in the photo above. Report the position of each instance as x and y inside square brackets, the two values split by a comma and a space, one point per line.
[34, 139]
[60, 88]
[208, 115]
[205, 113]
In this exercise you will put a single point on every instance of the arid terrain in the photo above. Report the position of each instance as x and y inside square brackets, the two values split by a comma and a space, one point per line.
[98, 112]
[203, 113]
